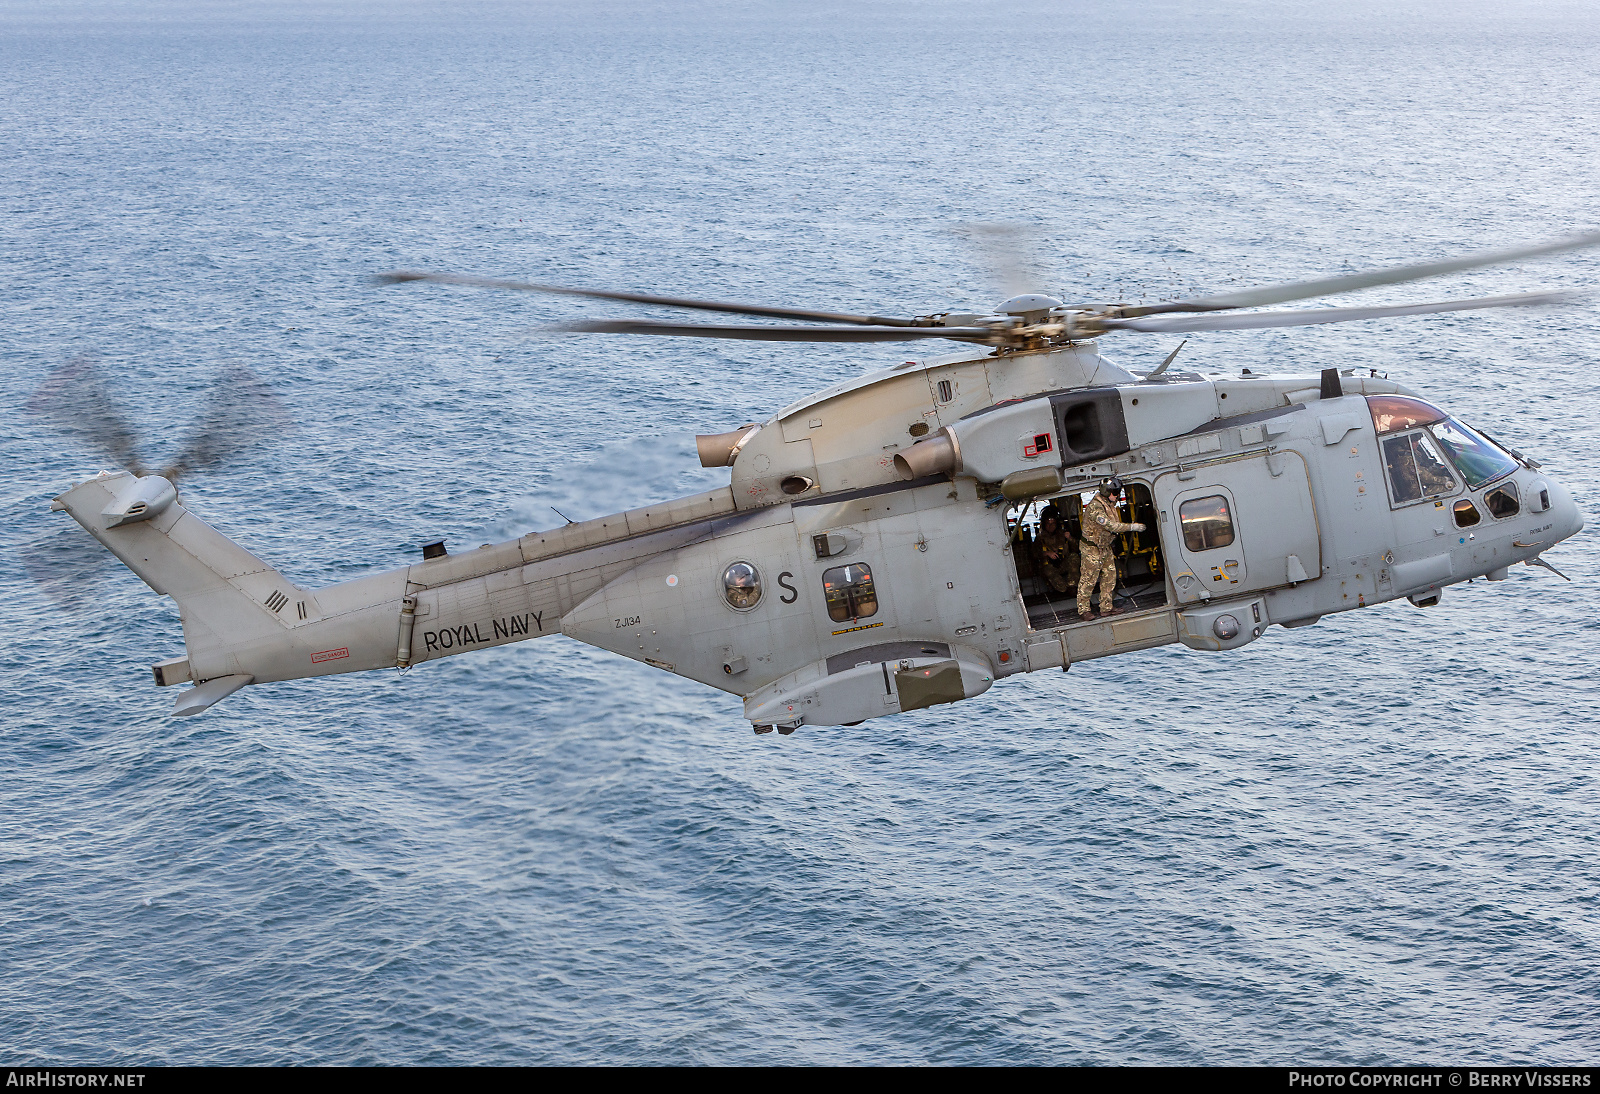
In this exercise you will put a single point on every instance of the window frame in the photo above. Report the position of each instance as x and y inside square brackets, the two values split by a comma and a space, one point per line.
[1508, 487]
[851, 599]
[727, 589]
[1227, 514]
[1412, 437]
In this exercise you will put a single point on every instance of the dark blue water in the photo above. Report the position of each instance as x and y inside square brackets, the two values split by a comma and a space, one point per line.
[1372, 841]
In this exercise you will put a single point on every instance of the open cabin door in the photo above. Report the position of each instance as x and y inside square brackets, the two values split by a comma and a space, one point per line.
[1240, 525]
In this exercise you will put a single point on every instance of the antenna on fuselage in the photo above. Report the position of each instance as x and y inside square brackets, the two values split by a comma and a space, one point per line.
[1171, 357]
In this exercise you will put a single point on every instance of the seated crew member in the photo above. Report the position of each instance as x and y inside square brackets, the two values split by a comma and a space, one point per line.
[1101, 525]
[1402, 468]
[1431, 471]
[1057, 560]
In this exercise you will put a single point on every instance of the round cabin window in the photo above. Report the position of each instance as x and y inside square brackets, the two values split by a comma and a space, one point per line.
[741, 584]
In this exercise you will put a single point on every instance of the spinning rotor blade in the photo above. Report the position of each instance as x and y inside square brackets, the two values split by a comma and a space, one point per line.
[776, 334]
[67, 565]
[401, 276]
[1304, 290]
[76, 399]
[1003, 248]
[1314, 316]
[240, 411]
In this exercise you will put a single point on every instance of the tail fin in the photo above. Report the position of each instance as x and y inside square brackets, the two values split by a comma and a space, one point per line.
[242, 619]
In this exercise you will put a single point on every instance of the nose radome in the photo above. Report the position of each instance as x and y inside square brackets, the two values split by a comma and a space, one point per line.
[1566, 510]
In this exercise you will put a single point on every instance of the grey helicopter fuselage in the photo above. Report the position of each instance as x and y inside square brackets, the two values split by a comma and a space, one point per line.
[868, 556]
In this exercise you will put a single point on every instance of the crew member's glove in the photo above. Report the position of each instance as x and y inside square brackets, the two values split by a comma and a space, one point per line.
[1138, 527]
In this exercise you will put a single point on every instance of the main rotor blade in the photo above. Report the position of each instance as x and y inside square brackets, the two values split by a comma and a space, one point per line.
[1314, 316]
[1305, 290]
[239, 411]
[76, 399]
[401, 276]
[776, 334]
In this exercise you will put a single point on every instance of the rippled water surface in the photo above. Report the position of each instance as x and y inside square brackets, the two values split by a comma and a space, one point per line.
[1370, 841]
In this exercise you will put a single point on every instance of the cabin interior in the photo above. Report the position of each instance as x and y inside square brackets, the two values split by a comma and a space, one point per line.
[1141, 578]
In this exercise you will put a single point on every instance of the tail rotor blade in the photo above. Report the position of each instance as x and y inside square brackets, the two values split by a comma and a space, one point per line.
[75, 398]
[67, 565]
[240, 412]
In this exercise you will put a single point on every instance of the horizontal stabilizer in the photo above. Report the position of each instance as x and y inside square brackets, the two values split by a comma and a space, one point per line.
[208, 694]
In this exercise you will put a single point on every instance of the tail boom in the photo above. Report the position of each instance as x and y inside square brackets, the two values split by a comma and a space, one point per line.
[245, 622]
[242, 617]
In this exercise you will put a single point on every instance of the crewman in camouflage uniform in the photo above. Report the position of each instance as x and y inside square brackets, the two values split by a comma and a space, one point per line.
[1057, 560]
[1100, 528]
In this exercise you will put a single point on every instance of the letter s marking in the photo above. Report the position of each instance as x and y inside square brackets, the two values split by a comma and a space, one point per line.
[794, 594]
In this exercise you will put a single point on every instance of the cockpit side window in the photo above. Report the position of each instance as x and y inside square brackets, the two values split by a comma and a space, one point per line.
[1416, 470]
[1476, 459]
[849, 592]
[1398, 413]
[1503, 501]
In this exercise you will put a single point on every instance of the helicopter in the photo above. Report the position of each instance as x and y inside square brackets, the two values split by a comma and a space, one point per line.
[874, 550]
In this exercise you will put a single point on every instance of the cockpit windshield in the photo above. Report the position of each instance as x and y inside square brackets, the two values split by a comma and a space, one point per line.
[1416, 469]
[1397, 413]
[1476, 459]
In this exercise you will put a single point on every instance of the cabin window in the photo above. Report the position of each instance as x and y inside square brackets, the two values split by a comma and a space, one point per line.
[1207, 523]
[741, 584]
[1416, 470]
[1502, 501]
[1466, 514]
[849, 592]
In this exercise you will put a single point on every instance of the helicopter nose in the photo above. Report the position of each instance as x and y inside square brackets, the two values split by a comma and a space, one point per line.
[1565, 511]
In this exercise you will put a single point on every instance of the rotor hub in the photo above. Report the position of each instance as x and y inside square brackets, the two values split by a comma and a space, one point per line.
[1031, 308]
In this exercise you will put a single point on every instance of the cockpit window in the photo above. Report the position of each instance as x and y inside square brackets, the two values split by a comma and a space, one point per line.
[1398, 413]
[1502, 501]
[849, 592]
[1416, 470]
[1477, 459]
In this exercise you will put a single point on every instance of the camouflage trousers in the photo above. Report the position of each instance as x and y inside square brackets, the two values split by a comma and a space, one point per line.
[1062, 574]
[1099, 567]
